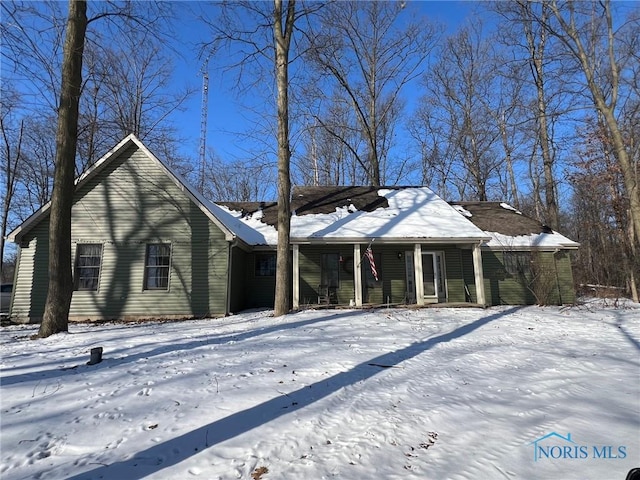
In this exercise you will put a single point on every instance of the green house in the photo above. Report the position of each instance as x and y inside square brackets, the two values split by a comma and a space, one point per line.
[146, 244]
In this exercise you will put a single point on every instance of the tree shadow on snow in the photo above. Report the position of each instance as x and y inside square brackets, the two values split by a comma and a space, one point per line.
[156, 458]
[623, 329]
[189, 345]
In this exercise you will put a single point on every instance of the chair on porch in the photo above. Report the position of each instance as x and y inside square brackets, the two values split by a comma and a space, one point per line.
[323, 295]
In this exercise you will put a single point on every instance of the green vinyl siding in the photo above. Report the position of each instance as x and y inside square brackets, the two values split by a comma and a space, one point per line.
[391, 286]
[550, 281]
[454, 273]
[31, 277]
[567, 293]
[261, 288]
[310, 272]
[130, 204]
[239, 262]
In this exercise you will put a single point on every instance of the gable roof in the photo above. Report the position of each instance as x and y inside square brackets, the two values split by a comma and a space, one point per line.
[509, 228]
[350, 214]
[210, 210]
[361, 214]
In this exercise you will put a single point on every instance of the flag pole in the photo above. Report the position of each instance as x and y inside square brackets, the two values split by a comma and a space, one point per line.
[363, 255]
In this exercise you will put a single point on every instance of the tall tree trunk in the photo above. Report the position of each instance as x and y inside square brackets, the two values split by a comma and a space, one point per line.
[11, 172]
[282, 41]
[512, 187]
[536, 62]
[56, 311]
[604, 104]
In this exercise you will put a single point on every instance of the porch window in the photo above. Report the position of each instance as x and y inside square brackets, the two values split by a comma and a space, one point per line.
[156, 271]
[330, 270]
[517, 264]
[265, 265]
[88, 261]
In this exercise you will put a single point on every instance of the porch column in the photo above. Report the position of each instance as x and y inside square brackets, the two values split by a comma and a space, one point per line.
[478, 274]
[417, 262]
[357, 274]
[296, 276]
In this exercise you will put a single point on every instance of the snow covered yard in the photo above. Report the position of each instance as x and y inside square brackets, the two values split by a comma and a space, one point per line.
[409, 394]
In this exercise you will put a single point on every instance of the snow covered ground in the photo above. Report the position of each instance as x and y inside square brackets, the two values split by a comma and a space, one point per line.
[502, 393]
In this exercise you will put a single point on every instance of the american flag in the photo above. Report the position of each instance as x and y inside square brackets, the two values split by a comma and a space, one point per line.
[372, 263]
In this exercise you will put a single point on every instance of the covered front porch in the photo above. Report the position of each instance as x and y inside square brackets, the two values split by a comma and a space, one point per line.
[403, 273]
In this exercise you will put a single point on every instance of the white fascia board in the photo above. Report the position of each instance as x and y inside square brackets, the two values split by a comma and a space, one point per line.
[530, 248]
[387, 241]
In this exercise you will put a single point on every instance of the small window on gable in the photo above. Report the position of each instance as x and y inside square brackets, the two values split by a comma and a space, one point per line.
[517, 263]
[88, 262]
[265, 265]
[156, 270]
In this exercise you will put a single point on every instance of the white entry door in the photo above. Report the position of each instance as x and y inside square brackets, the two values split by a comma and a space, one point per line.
[433, 277]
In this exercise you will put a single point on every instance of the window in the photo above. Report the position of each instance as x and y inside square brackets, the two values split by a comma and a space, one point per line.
[88, 260]
[517, 263]
[330, 270]
[156, 270]
[265, 265]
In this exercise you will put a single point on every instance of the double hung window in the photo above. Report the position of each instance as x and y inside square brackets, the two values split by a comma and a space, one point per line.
[157, 265]
[88, 262]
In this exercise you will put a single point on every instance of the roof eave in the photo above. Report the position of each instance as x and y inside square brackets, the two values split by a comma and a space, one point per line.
[539, 248]
[386, 241]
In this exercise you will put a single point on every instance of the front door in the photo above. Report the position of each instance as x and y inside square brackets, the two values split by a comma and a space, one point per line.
[433, 277]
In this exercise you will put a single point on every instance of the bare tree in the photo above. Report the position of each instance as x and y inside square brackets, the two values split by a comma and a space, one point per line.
[131, 82]
[11, 160]
[534, 57]
[283, 20]
[460, 105]
[260, 36]
[329, 140]
[591, 39]
[236, 180]
[56, 310]
[35, 176]
[126, 72]
[600, 214]
[364, 56]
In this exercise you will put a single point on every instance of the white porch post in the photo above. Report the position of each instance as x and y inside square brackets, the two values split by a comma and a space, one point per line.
[357, 274]
[417, 262]
[478, 274]
[296, 276]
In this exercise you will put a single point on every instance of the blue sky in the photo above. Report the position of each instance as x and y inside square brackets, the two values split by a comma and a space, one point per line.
[226, 114]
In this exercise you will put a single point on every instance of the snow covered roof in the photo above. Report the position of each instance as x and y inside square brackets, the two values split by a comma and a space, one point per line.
[510, 229]
[348, 214]
[391, 214]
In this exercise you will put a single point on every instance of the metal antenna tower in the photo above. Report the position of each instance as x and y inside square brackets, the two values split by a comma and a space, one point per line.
[203, 121]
